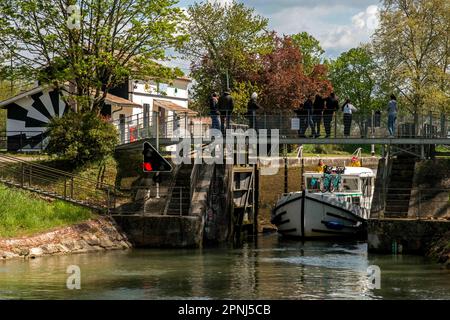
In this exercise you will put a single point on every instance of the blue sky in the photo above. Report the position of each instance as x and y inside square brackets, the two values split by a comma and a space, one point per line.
[338, 25]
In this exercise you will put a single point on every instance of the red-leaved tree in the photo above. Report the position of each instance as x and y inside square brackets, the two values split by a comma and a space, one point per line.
[282, 80]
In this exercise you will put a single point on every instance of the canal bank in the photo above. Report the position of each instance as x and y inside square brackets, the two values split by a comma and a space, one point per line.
[100, 234]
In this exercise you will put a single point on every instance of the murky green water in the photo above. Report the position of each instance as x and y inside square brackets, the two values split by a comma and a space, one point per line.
[270, 269]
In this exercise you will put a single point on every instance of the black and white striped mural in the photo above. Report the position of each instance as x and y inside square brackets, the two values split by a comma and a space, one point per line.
[28, 117]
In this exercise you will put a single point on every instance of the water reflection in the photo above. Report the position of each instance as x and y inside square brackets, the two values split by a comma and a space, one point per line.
[270, 269]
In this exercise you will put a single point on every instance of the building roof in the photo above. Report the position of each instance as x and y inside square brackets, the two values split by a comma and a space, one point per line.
[121, 102]
[110, 99]
[171, 106]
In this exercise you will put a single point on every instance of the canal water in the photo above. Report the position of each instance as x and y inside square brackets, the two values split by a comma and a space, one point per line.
[271, 268]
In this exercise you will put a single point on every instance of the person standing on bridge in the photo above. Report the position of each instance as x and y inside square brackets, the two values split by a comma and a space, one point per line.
[252, 106]
[308, 106]
[317, 114]
[302, 115]
[226, 106]
[392, 115]
[348, 110]
[214, 111]
[332, 105]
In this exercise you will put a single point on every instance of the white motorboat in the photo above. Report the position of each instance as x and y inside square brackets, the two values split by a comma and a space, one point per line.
[334, 204]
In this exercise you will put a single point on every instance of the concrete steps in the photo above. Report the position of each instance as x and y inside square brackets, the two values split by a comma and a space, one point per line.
[399, 187]
[180, 201]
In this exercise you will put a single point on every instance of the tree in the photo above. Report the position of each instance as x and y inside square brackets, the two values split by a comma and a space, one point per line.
[312, 52]
[223, 40]
[412, 47]
[353, 77]
[282, 80]
[114, 40]
[90, 138]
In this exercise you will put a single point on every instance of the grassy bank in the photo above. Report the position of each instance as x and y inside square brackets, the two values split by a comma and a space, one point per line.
[23, 213]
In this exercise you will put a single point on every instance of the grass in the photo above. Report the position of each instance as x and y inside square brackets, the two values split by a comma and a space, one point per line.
[23, 213]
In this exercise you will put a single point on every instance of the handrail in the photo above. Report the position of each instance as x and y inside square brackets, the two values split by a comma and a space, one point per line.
[57, 183]
[53, 170]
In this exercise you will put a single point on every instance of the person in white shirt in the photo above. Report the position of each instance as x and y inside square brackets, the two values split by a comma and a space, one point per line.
[348, 109]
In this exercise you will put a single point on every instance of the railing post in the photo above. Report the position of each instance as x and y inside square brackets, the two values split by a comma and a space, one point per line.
[335, 124]
[443, 131]
[71, 188]
[65, 187]
[137, 128]
[23, 175]
[430, 116]
[156, 114]
[29, 176]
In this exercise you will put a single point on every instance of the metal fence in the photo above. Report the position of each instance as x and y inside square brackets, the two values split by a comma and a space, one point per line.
[289, 124]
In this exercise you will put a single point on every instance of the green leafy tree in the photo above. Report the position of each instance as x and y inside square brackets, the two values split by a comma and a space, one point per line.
[81, 137]
[223, 40]
[412, 47]
[312, 52]
[353, 75]
[114, 40]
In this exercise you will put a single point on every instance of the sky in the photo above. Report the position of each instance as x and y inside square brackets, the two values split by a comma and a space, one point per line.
[339, 25]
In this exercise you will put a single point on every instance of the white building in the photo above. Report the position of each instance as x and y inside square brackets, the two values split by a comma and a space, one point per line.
[131, 106]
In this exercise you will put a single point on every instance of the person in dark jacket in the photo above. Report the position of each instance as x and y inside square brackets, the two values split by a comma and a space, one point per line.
[214, 111]
[226, 106]
[317, 114]
[308, 106]
[252, 107]
[331, 106]
[302, 115]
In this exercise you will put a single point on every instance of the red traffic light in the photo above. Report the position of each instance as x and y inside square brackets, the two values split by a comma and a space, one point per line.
[147, 166]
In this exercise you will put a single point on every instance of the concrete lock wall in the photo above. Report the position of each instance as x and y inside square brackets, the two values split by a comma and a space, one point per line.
[404, 236]
[428, 217]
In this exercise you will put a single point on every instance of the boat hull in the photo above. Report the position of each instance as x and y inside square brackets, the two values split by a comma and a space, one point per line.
[316, 216]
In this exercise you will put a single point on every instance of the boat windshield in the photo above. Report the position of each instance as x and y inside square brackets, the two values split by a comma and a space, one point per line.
[350, 185]
[313, 184]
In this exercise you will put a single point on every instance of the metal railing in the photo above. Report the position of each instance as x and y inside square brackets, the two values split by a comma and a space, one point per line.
[57, 184]
[414, 203]
[290, 125]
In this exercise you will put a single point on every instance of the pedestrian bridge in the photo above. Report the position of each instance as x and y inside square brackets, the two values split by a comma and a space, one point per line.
[424, 129]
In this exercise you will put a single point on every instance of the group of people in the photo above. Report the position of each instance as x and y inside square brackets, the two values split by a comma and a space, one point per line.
[311, 113]
[221, 109]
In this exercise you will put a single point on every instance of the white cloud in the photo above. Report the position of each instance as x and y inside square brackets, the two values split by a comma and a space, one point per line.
[366, 19]
[332, 25]
[222, 2]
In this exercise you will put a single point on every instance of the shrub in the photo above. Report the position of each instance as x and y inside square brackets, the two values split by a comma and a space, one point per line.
[81, 138]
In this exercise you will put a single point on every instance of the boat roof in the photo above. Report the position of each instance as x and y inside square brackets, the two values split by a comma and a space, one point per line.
[350, 171]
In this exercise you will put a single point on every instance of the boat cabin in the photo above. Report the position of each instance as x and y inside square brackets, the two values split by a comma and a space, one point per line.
[356, 185]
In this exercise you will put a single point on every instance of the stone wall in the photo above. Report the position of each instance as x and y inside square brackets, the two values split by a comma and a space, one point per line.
[404, 236]
[430, 195]
[162, 231]
[94, 235]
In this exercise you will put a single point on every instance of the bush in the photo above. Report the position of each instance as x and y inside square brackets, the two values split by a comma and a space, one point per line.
[81, 138]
